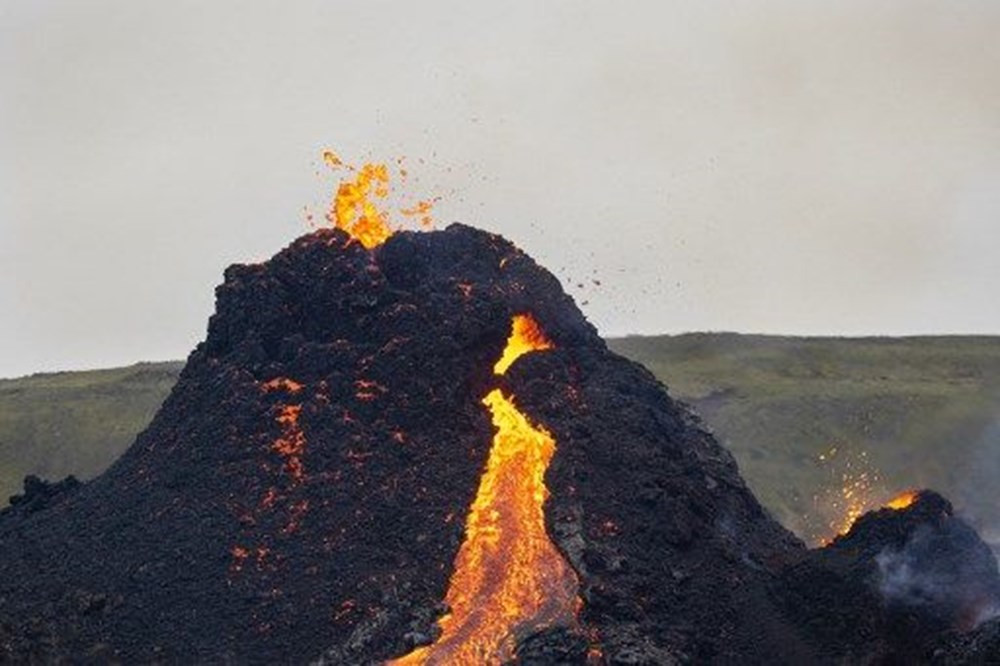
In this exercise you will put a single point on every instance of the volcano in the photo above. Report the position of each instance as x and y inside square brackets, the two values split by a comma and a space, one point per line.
[416, 450]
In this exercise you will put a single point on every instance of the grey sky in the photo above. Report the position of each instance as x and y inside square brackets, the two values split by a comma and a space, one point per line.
[769, 166]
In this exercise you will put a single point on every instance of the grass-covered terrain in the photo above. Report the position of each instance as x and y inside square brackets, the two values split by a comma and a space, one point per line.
[75, 422]
[886, 413]
[800, 414]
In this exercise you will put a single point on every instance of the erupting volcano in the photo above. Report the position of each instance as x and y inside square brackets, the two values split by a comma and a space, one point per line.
[412, 448]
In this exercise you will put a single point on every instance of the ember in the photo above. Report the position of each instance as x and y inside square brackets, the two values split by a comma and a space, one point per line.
[857, 490]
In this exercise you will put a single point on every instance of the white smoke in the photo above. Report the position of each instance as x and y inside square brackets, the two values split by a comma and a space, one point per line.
[914, 576]
[980, 487]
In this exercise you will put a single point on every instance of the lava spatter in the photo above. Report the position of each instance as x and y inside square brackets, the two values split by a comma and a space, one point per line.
[355, 208]
[362, 203]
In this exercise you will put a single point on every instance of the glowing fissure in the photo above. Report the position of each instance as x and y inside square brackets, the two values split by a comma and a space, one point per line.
[290, 446]
[508, 576]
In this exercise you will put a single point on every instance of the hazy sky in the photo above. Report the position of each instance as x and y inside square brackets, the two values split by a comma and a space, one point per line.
[769, 166]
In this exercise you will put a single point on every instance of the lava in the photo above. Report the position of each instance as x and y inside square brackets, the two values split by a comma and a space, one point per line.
[360, 206]
[902, 500]
[282, 384]
[355, 207]
[292, 443]
[421, 210]
[525, 336]
[508, 577]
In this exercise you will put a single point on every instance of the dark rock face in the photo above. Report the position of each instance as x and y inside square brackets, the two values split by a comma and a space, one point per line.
[673, 550]
[39, 494]
[302, 493]
[980, 647]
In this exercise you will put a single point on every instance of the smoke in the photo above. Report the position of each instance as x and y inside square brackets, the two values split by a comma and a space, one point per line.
[979, 493]
[940, 575]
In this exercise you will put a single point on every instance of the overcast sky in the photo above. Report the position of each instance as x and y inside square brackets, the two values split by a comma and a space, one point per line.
[759, 166]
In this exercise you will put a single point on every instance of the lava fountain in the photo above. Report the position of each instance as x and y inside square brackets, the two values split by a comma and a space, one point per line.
[361, 203]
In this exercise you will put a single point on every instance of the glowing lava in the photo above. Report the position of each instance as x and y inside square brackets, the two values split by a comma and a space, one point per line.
[525, 336]
[361, 204]
[902, 500]
[355, 209]
[508, 575]
[292, 443]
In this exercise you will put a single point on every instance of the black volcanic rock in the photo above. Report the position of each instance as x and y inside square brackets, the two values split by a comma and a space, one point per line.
[896, 582]
[980, 647]
[302, 493]
[39, 494]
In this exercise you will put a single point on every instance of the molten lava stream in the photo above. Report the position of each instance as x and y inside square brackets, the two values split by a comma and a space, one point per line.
[509, 578]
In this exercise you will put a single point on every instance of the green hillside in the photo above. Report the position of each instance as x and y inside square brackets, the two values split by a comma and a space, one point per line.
[75, 422]
[906, 412]
[805, 417]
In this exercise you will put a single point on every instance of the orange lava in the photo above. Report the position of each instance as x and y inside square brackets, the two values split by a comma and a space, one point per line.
[362, 202]
[368, 390]
[509, 578]
[856, 510]
[282, 384]
[902, 500]
[356, 209]
[857, 492]
[420, 210]
[292, 443]
[239, 554]
[525, 336]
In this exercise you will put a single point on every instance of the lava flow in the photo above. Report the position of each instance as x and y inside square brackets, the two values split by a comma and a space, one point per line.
[509, 578]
